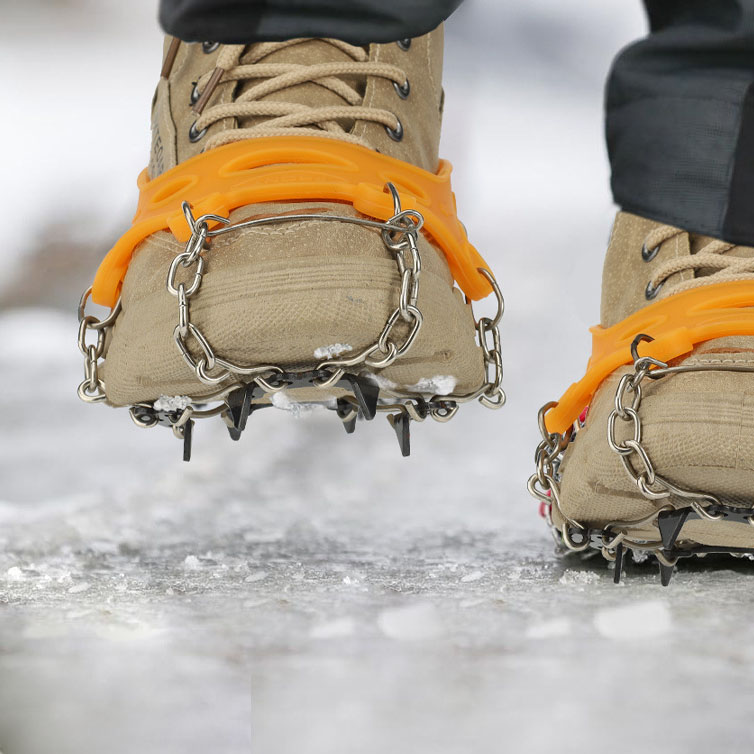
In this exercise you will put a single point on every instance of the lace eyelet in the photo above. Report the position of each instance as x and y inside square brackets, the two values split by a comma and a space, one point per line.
[395, 134]
[402, 90]
[209, 47]
[195, 94]
[404, 44]
[649, 254]
[651, 291]
[195, 135]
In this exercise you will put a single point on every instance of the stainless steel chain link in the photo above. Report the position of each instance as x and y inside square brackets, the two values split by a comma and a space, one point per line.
[184, 279]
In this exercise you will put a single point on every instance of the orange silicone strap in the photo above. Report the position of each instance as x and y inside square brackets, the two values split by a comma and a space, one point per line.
[294, 168]
[676, 323]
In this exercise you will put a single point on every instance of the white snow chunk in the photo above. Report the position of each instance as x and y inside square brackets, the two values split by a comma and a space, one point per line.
[411, 623]
[642, 620]
[14, 573]
[441, 384]
[191, 563]
[549, 629]
[333, 629]
[579, 578]
[329, 352]
[253, 578]
[283, 400]
[470, 577]
[80, 588]
[172, 403]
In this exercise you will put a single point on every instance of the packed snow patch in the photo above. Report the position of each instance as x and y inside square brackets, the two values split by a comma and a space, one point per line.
[334, 629]
[642, 620]
[172, 403]
[14, 573]
[411, 623]
[329, 352]
[579, 578]
[383, 383]
[191, 563]
[471, 577]
[441, 384]
[549, 629]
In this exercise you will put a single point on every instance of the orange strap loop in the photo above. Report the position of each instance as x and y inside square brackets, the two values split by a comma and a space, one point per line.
[294, 168]
[676, 323]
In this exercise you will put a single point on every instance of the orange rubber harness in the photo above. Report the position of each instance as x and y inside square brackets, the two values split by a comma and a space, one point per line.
[294, 168]
[676, 323]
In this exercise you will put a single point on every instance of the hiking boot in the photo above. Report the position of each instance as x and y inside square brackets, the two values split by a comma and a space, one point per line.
[661, 461]
[274, 295]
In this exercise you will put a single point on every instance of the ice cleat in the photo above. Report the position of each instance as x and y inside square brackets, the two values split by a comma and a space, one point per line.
[295, 242]
[662, 463]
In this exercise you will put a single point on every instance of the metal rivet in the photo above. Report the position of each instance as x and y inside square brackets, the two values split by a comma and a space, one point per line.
[404, 44]
[402, 90]
[209, 47]
[649, 254]
[195, 135]
[395, 134]
[650, 291]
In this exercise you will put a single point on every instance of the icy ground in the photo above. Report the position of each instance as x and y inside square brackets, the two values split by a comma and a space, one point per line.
[303, 592]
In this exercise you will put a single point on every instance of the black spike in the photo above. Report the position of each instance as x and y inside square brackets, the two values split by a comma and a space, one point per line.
[239, 408]
[366, 394]
[670, 524]
[347, 414]
[618, 563]
[188, 431]
[401, 423]
[666, 573]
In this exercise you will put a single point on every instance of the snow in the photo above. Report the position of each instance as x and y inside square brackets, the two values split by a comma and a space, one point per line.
[301, 590]
[172, 402]
[640, 621]
[331, 351]
[438, 385]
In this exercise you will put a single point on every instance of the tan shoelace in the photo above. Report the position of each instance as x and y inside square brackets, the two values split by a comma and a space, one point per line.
[291, 118]
[713, 259]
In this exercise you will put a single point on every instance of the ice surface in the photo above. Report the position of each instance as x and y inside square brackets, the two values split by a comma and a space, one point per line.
[304, 592]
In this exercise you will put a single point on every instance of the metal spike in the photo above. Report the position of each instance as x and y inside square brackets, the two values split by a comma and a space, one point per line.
[618, 563]
[401, 423]
[366, 394]
[670, 524]
[666, 573]
[239, 408]
[348, 415]
[188, 431]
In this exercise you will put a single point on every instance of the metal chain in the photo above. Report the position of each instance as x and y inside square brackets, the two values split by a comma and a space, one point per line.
[92, 389]
[184, 279]
[544, 484]
[632, 453]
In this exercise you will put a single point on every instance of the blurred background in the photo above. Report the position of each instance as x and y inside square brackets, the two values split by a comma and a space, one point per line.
[301, 591]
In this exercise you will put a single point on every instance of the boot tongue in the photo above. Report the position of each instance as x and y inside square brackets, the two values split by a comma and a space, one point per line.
[307, 53]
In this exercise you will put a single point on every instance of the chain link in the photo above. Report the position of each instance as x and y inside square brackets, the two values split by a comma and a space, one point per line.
[184, 280]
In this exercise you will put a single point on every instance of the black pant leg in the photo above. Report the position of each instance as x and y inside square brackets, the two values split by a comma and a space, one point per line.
[680, 118]
[357, 21]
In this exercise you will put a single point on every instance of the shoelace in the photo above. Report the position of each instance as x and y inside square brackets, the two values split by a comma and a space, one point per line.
[712, 256]
[291, 118]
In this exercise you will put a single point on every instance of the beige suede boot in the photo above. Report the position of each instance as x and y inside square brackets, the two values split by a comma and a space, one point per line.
[279, 302]
[679, 477]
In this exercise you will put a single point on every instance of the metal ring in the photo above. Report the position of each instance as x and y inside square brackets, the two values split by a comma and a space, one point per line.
[649, 254]
[209, 47]
[195, 94]
[396, 134]
[195, 135]
[651, 291]
[402, 90]
[404, 44]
